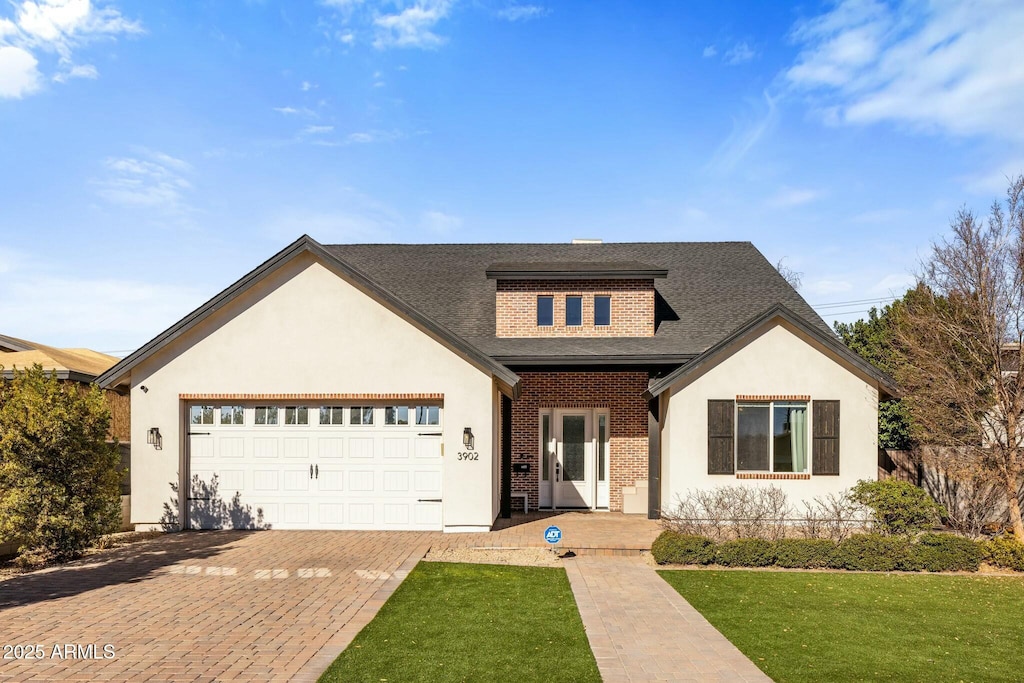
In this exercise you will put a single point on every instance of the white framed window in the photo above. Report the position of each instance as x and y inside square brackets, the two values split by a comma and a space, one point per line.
[396, 415]
[428, 415]
[200, 415]
[266, 415]
[232, 415]
[361, 415]
[332, 415]
[771, 436]
[296, 415]
[602, 310]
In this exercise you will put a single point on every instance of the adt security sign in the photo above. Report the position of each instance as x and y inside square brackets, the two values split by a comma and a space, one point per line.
[553, 535]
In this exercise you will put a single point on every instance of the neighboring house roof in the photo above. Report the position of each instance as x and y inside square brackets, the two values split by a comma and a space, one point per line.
[307, 244]
[711, 288]
[776, 311]
[81, 365]
[13, 344]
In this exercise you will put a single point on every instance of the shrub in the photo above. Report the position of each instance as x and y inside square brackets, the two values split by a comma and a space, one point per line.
[804, 553]
[898, 507]
[673, 548]
[1005, 552]
[947, 553]
[59, 478]
[833, 517]
[727, 512]
[745, 552]
[875, 553]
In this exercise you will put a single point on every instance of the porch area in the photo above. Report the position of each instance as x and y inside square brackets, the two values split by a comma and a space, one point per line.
[584, 533]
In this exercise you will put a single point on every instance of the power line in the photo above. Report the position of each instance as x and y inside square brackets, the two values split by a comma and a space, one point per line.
[855, 302]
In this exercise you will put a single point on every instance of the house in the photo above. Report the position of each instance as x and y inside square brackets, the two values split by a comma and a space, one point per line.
[78, 366]
[439, 386]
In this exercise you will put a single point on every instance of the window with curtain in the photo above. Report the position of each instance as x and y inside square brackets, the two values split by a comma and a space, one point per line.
[771, 437]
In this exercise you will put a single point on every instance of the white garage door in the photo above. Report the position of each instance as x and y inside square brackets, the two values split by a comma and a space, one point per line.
[305, 466]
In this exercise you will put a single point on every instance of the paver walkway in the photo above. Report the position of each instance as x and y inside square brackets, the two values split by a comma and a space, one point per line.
[210, 606]
[640, 629]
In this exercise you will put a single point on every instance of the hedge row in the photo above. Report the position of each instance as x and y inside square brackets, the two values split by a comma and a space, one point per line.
[865, 552]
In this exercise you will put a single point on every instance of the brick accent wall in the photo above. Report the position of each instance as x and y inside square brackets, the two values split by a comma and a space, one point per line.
[632, 308]
[620, 392]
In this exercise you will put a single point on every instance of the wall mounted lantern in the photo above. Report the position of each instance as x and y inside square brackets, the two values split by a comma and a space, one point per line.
[154, 438]
[467, 438]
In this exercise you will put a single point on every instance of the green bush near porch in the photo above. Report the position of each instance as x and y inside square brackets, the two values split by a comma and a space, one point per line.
[473, 622]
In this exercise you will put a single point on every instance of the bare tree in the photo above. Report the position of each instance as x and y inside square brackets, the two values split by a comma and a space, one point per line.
[960, 338]
[793, 277]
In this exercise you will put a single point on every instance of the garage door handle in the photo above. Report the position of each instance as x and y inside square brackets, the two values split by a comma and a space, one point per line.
[318, 471]
[310, 471]
[429, 434]
[429, 500]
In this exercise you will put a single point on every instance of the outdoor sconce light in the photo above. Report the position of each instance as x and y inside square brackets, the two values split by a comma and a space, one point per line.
[153, 437]
[467, 438]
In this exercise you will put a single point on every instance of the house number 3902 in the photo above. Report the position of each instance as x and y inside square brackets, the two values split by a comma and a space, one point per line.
[468, 456]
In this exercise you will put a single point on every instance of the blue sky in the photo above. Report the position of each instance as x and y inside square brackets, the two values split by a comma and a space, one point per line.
[153, 152]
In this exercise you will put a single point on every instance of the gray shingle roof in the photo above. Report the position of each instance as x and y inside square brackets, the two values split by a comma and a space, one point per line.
[712, 288]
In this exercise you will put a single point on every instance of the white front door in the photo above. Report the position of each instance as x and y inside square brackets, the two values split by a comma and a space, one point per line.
[573, 485]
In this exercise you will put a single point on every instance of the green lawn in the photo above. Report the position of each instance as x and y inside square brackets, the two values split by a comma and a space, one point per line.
[801, 626]
[472, 622]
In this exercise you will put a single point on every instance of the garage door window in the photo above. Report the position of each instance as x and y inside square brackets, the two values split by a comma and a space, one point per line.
[201, 415]
[361, 415]
[232, 415]
[332, 415]
[396, 415]
[428, 415]
[266, 415]
[296, 415]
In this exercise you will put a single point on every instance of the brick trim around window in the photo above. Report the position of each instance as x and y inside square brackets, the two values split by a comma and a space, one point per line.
[772, 397]
[772, 475]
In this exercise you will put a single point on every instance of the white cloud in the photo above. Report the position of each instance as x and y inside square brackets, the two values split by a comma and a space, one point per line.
[92, 312]
[53, 26]
[77, 71]
[894, 283]
[939, 66]
[709, 51]
[522, 12]
[440, 223]
[826, 287]
[317, 130]
[745, 135]
[307, 86]
[995, 181]
[738, 54]
[346, 37]
[19, 73]
[793, 196]
[153, 180]
[412, 26]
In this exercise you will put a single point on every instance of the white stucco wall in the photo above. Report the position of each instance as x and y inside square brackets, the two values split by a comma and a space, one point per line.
[304, 329]
[775, 359]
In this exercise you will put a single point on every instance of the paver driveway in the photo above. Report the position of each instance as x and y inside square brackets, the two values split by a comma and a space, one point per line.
[219, 605]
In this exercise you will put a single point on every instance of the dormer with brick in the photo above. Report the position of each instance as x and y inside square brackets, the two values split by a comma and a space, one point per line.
[572, 299]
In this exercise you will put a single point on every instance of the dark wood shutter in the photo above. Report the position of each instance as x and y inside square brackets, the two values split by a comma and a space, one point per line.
[825, 452]
[721, 452]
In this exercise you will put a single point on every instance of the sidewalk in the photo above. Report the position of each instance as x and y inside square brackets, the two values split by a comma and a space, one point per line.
[640, 629]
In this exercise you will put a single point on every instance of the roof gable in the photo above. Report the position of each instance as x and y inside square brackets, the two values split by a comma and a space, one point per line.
[776, 312]
[306, 244]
